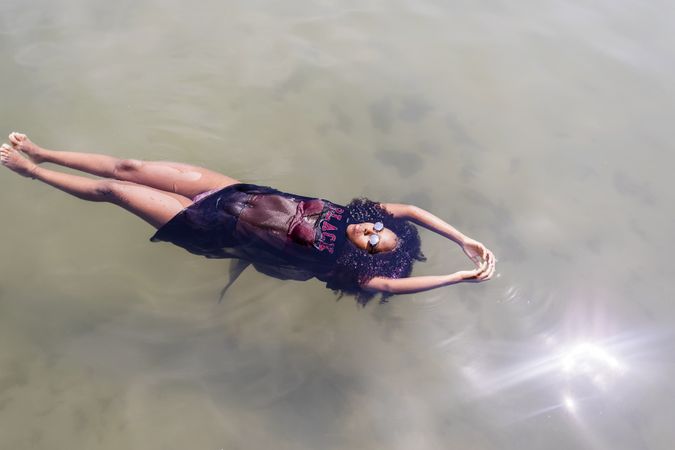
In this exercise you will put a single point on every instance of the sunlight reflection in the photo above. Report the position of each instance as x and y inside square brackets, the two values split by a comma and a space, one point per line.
[589, 359]
[588, 362]
[569, 403]
[578, 373]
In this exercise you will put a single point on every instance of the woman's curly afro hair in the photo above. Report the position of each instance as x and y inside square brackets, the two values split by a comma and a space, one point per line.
[354, 267]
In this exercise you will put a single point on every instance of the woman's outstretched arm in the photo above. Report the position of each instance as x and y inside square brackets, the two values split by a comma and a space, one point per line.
[476, 251]
[411, 285]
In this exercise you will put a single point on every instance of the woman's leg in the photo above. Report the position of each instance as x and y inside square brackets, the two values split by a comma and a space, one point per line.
[183, 179]
[154, 206]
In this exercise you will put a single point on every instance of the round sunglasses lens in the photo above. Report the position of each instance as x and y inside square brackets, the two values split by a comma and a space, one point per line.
[373, 239]
[379, 226]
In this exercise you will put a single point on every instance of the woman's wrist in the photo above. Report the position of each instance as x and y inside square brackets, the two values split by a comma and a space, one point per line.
[461, 239]
[454, 278]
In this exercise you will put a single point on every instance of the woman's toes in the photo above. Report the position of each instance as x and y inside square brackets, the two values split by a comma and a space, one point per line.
[21, 142]
[13, 160]
[4, 151]
[16, 138]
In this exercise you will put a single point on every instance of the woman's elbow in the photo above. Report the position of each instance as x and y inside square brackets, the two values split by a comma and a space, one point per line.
[414, 212]
[379, 285]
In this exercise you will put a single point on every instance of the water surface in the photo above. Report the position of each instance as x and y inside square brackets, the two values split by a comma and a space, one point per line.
[542, 129]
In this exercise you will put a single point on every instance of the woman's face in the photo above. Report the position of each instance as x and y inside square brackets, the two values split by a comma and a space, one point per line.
[360, 234]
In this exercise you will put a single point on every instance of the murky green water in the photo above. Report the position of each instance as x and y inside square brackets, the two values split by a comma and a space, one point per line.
[542, 129]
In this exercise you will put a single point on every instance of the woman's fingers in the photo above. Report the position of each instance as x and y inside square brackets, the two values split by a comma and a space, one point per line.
[491, 271]
[477, 259]
[484, 275]
[487, 257]
[488, 271]
[475, 274]
[490, 256]
[484, 265]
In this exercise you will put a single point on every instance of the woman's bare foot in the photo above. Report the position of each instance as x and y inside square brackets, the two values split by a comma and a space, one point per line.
[13, 160]
[21, 142]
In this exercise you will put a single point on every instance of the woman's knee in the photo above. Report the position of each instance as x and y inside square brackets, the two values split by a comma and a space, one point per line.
[125, 166]
[109, 190]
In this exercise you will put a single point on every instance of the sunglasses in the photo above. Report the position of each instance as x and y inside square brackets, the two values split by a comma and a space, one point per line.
[374, 239]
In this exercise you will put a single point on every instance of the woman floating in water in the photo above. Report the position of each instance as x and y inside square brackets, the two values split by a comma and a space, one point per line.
[360, 249]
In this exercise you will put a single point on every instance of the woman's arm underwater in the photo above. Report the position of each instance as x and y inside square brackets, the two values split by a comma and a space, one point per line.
[424, 219]
[411, 285]
[476, 251]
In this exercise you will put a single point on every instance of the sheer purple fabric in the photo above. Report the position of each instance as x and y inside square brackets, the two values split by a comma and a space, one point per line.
[283, 235]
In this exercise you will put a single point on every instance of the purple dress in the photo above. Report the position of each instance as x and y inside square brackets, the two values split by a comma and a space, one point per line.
[283, 235]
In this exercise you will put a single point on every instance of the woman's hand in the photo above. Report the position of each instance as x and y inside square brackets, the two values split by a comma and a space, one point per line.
[477, 252]
[482, 273]
[409, 285]
[483, 258]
